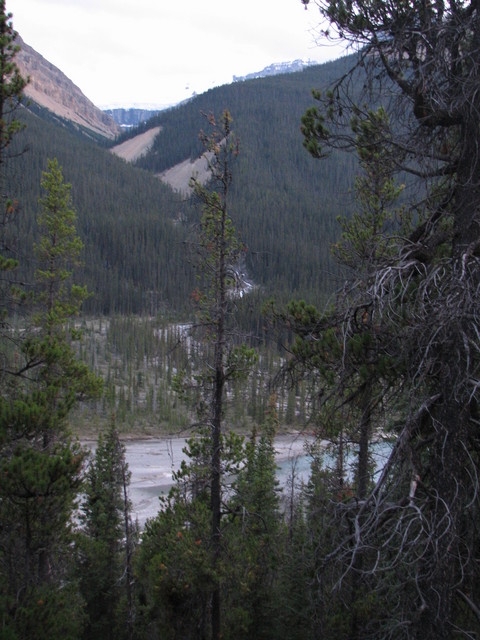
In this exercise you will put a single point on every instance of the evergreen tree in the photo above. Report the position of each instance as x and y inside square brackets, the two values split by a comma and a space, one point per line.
[12, 85]
[41, 465]
[174, 565]
[254, 540]
[345, 354]
[106, 542]
[219, 253]
[421, 301]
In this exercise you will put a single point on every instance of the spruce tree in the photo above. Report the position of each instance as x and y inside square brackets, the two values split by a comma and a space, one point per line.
[12, 85]
[219, 251]
[255, 535]
[174, 567]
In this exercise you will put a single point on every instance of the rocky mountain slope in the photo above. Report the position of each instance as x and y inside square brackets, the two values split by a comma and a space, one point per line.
[50, 88]
[135, 148]
[276, 69]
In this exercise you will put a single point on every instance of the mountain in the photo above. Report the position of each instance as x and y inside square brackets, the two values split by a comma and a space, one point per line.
[134, 256]
[133, 116]
[138, 232]
[284, 203]
[134, 148]
[277, 68]
[50, 88]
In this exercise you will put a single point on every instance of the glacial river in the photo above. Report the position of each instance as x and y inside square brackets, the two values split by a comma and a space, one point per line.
[152, 461]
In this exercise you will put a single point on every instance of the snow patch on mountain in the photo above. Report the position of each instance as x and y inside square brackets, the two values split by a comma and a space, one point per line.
[277, 68]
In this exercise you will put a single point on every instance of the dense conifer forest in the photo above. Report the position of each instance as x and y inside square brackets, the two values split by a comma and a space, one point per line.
[135, 228]
[126, 217]
[122, 309]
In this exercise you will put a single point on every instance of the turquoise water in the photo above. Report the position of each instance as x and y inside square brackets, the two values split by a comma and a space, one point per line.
[151, 463]
[298, 467]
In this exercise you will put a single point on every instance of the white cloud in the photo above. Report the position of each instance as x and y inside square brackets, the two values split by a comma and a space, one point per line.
[121, 52]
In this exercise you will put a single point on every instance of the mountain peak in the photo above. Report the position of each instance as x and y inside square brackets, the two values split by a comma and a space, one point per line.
[276, 68]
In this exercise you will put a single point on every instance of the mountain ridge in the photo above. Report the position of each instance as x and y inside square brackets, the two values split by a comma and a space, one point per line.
[50, 88]
[277, 68]
[134, 115]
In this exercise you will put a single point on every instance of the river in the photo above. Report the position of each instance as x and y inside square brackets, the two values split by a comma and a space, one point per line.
[152, 461]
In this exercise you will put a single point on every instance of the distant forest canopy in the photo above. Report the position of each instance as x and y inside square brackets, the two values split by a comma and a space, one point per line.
[136, 230]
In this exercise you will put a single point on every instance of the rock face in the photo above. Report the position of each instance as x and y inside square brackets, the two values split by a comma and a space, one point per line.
[50, 88]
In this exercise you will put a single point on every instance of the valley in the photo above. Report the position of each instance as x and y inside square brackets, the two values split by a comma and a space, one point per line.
[275, 365]
[138, 359]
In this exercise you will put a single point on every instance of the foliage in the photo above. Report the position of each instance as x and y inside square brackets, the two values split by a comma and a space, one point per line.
[352, 554]
[129, 223]
[174, 566]
[12, 85]
[419, 325]
[218, 252]
[41, 464]
[49, 358]
[254, 535]
[105, 542]
[134, 227]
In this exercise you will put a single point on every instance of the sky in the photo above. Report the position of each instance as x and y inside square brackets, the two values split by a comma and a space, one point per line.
[159, 52]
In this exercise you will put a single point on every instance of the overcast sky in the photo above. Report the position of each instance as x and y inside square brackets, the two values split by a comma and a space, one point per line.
[124, 52]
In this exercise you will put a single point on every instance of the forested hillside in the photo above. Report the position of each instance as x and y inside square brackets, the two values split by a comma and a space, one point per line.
[283, 204]
[134, 258]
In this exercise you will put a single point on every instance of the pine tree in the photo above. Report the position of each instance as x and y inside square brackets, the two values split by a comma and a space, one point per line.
[220, 251]
[174, 567]
[255, 536]
[344, 353]
[420, 302]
